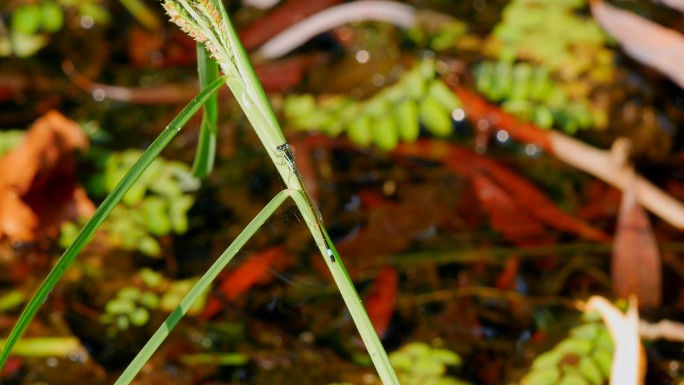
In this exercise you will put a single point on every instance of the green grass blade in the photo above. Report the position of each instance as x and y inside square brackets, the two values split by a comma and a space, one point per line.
[101, 214]
[251, 82]
[206, 148]
[203, 284]
[349, 295]
[249, 93]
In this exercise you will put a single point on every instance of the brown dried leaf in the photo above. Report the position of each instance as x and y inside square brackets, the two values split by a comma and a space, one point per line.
[38, 187]
[636, 265]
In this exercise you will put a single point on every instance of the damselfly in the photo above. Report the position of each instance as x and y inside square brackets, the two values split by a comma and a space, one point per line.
[284, 151]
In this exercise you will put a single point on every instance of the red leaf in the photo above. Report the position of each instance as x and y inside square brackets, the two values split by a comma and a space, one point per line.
[636, 265]
[505, 214]
[479, 109]
[506, 280]
[382, 299]
[12, 367]
[528, 198]
[537, 203]
[251, 272]
[281, 75]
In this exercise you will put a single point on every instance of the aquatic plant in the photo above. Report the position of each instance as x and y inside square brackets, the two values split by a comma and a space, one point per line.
[156, 206]
[531, 93]
[584, 357]
[436, 31]
[549, 60]
[133, 305]
[33, 23]
[391, 116]
[554, 35]
[418, 363]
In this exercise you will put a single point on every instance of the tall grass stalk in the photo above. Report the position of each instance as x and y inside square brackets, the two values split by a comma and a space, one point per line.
[207, 22]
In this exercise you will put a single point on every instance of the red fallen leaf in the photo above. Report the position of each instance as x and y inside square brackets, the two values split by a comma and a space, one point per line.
[636, 263]
[281, 75]
[373, 199]
[38, 188]
[600, 163]
[479, 109]
[506, 280]
[251, 272]
[505, 214]
[537, 203]
[603, 201]
[527, 196]
[279, 19]
[382, 299]
[12, 366]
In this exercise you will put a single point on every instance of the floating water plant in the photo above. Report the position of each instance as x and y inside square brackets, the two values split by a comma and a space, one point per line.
[554, 35]
[531, 93]
[585, 357]
[156, 206]
[418, 363]
[33, 23]
[391, 116]
[133, 305]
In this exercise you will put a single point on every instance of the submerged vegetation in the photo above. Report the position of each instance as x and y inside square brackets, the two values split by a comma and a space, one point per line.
[474, 251]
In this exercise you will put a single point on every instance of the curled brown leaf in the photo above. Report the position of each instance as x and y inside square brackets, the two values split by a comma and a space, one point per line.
[38, 189]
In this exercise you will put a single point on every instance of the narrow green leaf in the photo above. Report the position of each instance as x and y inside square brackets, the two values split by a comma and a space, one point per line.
[206, 148]
[196, 292]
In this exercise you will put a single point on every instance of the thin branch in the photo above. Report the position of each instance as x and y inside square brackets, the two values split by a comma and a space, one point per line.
[399, 14]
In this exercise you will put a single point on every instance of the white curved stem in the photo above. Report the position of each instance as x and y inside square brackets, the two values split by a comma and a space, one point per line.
[398, 14]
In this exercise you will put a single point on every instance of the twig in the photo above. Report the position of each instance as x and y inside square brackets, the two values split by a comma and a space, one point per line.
[603, 164]
[665, 329]
[165, 94]
[399, 14]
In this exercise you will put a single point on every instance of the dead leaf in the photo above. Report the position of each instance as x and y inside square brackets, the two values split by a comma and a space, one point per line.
[251, 272]
[381, 302]
[38, 188]
[505, 214]
[527, 197]
[645, 41]
[635, 246]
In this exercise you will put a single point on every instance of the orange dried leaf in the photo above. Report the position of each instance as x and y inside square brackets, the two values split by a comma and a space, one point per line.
[38, 188]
